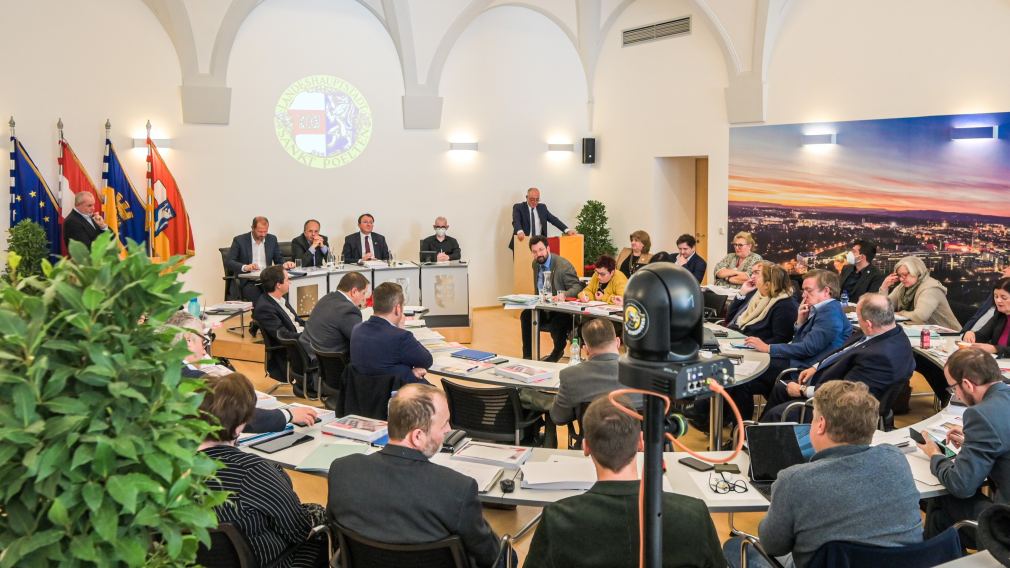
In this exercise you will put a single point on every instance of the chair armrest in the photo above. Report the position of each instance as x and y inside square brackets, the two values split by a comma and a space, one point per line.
[799, 406]
[752, 542]
[966, 524]
[504, 551]
[785, 372]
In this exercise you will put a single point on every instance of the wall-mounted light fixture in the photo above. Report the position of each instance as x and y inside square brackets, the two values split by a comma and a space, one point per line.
[561, 147]
[973, 132]
[826, 138]
[469, 146]
[159, 142]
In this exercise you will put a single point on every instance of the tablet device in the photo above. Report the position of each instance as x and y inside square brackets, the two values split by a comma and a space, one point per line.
[774, 447]
[281, 442]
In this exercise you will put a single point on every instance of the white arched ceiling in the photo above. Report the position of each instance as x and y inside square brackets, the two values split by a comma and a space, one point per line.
[206, 97]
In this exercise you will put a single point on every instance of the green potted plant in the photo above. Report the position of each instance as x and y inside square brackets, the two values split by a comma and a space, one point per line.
[28, 240]
[98, 430]
[592, 225]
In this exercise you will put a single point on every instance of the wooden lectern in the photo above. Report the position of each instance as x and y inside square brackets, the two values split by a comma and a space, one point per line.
[571, 248]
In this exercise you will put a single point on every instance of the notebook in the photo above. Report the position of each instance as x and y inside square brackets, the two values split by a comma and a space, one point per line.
[774, 447]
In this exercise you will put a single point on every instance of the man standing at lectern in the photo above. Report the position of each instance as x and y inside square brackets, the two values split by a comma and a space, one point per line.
[530, 218]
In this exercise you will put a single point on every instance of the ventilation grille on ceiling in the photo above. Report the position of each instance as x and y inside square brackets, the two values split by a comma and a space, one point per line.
[658, 31]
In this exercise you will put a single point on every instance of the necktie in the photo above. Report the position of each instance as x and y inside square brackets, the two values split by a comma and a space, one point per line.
[533, 222]
[368, 244]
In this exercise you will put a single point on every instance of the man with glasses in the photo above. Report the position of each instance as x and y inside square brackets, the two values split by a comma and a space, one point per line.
[530, 218]
[984, 439]
[440, 247]
[600, 527]
[849, 491]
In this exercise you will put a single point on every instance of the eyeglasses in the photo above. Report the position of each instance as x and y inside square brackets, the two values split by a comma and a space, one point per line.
[441, 226]
[952, 389]
[720, 485]
[740, 244]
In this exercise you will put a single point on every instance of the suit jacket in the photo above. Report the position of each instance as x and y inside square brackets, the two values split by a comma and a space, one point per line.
[380, 348]
[397, 496]
[696, 265]
[824, 331]
[583, 383]
[352, 247]
[263, 420]
[431, 243]
[563, 277]
[331, 323]
[986, 449]
[982, 315]
[271, 319]
[779, 326]
[600, 529]
[240, 253]
[859, 283]
[76, 227]
[300, 250]
[521, 220]
[990, 332]
[879, 362]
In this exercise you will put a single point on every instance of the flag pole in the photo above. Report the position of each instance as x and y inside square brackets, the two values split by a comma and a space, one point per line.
[14, 149]
[105, 154]
[150, 193]
[59, 185]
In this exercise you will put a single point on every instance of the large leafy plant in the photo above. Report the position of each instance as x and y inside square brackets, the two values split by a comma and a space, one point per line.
[28, 241]
[592, 225]
[98, 430]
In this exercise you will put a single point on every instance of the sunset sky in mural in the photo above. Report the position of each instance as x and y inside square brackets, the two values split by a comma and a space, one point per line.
[893, 164]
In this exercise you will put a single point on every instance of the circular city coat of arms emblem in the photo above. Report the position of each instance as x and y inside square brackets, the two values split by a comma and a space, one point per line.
[323, 121]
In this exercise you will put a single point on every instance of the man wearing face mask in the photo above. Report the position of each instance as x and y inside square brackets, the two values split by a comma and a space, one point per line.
[440, 247]
[859, 276]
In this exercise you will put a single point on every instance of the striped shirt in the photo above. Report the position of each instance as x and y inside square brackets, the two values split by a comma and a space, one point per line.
[262, 503]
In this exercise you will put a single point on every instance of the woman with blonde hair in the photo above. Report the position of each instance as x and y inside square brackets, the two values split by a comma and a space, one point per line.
[918, 296]
[765, 307]
[734, 269]
[635, 256]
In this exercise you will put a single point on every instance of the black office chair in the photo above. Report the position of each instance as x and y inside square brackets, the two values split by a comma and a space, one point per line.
[367, 395]
[886, 421]
[332, 366]
[285, 247]
[302, 370]
[230, 549]
[271, 345]
[357, 551]
[492, 414]
[230, 280]
[932, 371]
[575, 431]
[714, 303]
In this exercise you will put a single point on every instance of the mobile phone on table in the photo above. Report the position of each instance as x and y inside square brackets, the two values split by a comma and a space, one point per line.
[916, 436]
[281, 442]
[695, 464]
[727, 468]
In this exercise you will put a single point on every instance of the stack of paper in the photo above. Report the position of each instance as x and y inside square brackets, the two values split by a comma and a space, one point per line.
[320, 459]
[493, 454]
[357, 428]
[559, 472]
[322, 415]
[374, 263]
[604, 310]
[485, 475]
[232, 307]
[459, 367]
[525, 299]
[524, 373]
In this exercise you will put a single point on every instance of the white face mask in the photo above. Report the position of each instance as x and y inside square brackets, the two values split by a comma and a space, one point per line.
[440, 232]
[850, 258]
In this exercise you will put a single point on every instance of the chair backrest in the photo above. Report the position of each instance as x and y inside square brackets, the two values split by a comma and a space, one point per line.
[932, 371]
[228, 549]
[297, 359]
[270, 344]
[331, 366]
[285, 247]
[887, 402]
[942, 548]
[367, 395]
[485, 413]
[715, 301]
[229, 293]
[575, 431]
[357, 551]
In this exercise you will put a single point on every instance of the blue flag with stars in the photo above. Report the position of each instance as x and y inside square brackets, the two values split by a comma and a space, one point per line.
[130, 210]
[32, 200]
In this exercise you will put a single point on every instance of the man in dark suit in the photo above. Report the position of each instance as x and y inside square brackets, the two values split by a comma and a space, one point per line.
[310, 247]
[879, 357]
[599, 527]
[821, 327]
[984, 440]
[530, 218]
[564, 282]
[859, 276]
[397, 496]
[251, 252]
[380, 346]
[440, 247]
[83, 223]
[365, 245]
[273, 313]
[689, 258]
[333, 319]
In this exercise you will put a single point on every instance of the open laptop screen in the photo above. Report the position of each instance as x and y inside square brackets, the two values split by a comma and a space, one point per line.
[774, 447]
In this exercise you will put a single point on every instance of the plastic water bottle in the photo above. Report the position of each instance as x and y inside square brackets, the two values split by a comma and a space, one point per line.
[193, 307]
[845, 298]
[576, 356]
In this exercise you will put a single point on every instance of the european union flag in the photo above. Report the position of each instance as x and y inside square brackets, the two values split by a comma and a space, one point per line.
[31, 198]
[130, 209]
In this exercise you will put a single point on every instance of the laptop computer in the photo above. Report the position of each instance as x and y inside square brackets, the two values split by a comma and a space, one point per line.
[774, 447]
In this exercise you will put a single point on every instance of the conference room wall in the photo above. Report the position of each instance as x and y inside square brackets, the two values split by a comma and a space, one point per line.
[512, 82]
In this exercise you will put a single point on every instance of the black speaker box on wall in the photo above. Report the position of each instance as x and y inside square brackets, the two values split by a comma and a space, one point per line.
[589, 150]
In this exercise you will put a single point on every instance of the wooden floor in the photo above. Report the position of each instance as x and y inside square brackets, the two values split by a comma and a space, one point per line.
[497, 330]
